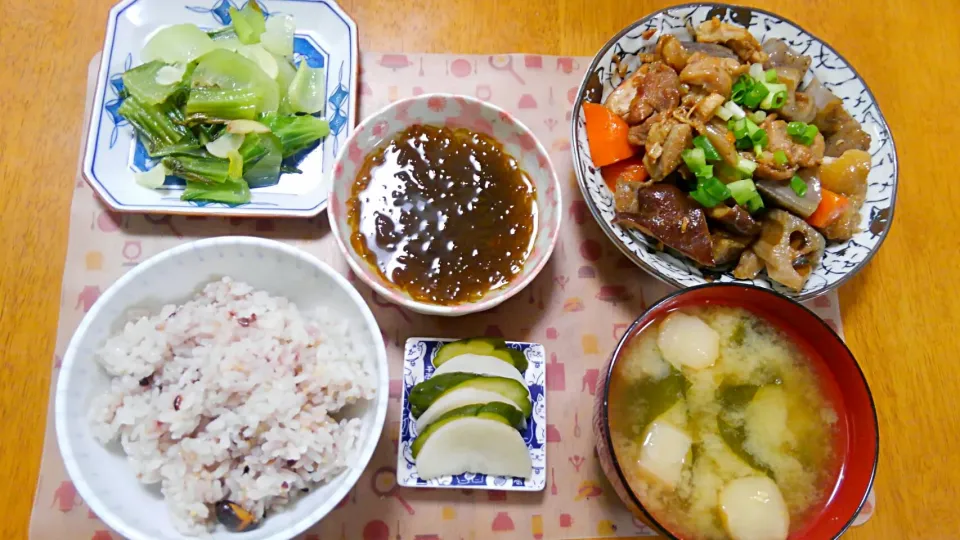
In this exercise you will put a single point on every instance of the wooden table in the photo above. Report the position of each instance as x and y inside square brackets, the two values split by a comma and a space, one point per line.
[900, 313]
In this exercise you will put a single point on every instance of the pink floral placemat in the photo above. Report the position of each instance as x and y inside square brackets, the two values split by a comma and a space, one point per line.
[578, 308]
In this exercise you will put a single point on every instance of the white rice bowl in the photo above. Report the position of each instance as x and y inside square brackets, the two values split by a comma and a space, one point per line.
[226, 392]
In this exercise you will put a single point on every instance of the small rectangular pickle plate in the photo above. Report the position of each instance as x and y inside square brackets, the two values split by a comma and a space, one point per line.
[418, 366]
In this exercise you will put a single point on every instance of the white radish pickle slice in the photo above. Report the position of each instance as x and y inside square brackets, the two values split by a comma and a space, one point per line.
[474, 445]
[456, 399]
[664, 452]
[752, 508]
[686, 340]
[481, 365]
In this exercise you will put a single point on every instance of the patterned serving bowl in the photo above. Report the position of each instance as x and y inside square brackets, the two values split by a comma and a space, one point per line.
[842, 259]
[452, 111]
[326, 37]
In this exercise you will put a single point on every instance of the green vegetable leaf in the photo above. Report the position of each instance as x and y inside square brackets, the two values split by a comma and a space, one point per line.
[201, 169]
[229, 192]
[159, 126]
[262, 154]
[228, 70]
[297, 132]
[141, 82]
[248, 22]
[229, 104]
[307, 92]
[177, 44]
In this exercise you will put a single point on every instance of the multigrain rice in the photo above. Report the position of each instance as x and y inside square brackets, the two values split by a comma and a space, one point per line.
[234, 395]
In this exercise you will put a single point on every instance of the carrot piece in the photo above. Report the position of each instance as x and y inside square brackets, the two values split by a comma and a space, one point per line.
[607, 135]
[832, 206]
[630, 169]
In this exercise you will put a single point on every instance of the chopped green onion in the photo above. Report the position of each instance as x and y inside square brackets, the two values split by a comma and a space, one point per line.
[771, 75]
[704, 144]
[776, 97]
[802, 132]
[249, 22]
[740, 88]
[755, 204]
[744, 144]
[759, 137]
[738, 113]
[798, 186]
[780, 157]
[757, 116]
[756, 71]
[724, 113]
[704, 199]
[738, 127]
[742, 190]
[704, 172]
[796, 129]
[715, 188]
[746, 167]
[779, 100]
[695, 159]
[755, 96]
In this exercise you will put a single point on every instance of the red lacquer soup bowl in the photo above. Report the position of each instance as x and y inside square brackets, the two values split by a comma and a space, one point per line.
[856, 438]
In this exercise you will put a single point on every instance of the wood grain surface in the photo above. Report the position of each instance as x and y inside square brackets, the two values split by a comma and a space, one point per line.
[900, 313]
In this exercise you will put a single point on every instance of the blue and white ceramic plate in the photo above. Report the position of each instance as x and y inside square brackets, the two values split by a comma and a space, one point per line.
[418, 367]
[325, 37]
[841, 260]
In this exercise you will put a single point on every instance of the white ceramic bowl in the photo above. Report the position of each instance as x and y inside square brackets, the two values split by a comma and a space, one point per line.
[453, 111]
[102, 476]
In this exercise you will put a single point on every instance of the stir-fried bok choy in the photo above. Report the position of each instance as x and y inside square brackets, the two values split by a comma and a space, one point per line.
[223, 109]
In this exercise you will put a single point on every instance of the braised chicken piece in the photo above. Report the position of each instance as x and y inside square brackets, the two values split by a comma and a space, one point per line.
[798, 155]
[672, 52]
[665, 144]
[658, 90]
[713, 74]
[620, 99]
[638, 134]
[737, 38]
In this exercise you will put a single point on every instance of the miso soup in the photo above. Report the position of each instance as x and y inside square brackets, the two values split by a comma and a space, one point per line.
[721, 427]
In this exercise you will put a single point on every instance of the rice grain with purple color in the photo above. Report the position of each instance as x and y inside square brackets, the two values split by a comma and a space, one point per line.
[235, 395]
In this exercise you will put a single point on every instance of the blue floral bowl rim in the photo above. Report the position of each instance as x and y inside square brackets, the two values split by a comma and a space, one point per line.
[577, 158]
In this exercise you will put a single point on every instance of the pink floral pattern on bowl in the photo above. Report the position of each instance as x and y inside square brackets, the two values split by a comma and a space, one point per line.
[452, 111]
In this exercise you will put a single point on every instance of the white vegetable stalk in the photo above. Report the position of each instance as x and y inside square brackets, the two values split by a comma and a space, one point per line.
[226, 143]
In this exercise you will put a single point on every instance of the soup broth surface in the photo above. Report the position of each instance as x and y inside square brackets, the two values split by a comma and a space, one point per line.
[758, 410]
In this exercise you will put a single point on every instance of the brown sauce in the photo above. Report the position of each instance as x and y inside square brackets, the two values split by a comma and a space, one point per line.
[445, 215]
